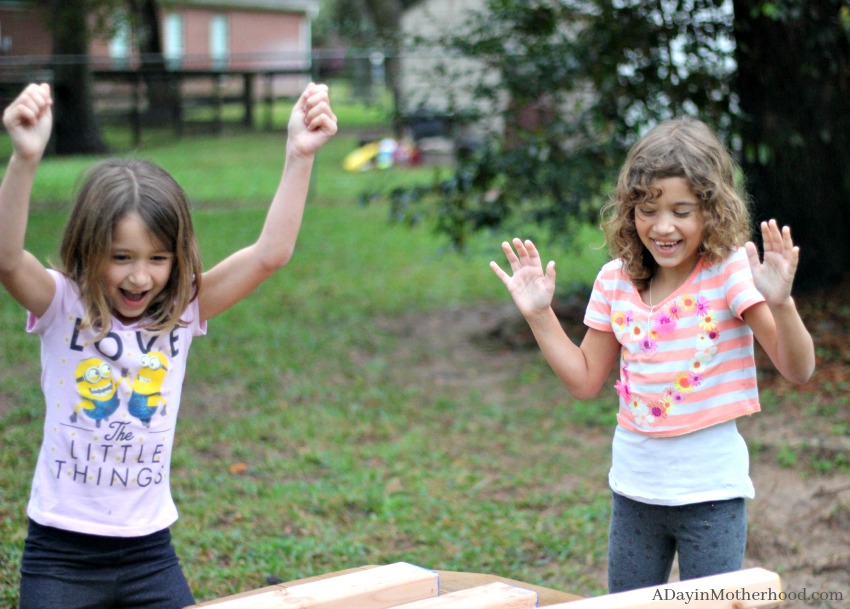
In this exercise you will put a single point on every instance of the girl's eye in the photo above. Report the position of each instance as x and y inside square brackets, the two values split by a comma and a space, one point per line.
[682, 214]
[646, 212]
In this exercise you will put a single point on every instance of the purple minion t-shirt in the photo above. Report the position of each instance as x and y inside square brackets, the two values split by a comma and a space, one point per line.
[111, 412]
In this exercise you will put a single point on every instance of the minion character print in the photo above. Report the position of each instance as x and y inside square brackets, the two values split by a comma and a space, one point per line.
[98, 390]
[147, 387]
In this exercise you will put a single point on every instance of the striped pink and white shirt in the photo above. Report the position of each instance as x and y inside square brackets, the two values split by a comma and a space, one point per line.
[687, 362]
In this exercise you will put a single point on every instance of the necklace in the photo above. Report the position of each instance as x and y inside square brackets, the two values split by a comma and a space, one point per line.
[651, 311]
[651, 306]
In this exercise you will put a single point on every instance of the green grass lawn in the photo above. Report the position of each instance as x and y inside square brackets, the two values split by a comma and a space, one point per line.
[299, 450]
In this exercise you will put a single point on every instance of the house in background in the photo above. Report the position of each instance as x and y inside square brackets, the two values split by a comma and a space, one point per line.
[23, 30]
[435, 91]
[196, 34]
[426, 80]
[439, 83]
[225, 34]
[271, 38]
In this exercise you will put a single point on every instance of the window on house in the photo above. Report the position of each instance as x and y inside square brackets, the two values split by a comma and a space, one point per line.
[219, 41]
[119, 46]
[174, 48]
[5, 41]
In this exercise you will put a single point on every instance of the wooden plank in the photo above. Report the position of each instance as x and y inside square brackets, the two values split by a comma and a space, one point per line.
[451, 581]
[497, 595]
[377, 588]
[744, 589]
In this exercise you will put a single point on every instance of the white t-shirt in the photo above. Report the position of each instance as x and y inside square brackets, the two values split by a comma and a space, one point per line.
[111, 412]
[711, 464]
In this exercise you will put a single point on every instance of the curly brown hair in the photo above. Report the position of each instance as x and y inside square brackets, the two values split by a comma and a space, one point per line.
[683, 147]
[110, 190]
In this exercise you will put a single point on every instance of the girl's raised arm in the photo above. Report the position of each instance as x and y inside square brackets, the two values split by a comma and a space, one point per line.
[311, 124]
[582, 369]
[28, 120]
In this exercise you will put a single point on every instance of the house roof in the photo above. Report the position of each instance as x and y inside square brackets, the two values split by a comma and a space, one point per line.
[311, 7]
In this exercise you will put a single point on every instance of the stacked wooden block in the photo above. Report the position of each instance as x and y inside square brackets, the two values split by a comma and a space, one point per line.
[405, 586]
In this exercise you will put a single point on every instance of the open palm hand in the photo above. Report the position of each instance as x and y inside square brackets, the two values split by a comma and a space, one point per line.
[774, 274]
[530, 286]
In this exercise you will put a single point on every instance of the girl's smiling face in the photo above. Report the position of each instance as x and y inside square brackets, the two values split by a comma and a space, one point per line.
[138, 269]
[670, 227]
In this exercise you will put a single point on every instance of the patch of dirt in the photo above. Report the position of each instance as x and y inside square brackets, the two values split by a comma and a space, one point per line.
[800, 446]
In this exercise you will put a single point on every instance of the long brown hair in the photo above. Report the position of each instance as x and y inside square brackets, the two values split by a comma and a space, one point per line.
[683, 147]
[110, 190]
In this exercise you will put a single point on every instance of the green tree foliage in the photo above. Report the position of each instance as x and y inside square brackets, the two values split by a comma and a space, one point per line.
[651, 60]
[575, 82]
[533, 165]
[365, 24]
[362, 23]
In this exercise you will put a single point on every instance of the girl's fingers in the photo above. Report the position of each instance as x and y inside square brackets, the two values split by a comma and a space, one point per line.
[787, 241]
[509, 251]
[520, 253]
[766, 236]
[771, 236]
[532, 249]
[520, 247]
[511, 256]
[498, 270]
[22, 114]
[323, 122]
[776, 239]
[525, 249]
[752, 254]
[30, 105]
[34, 97]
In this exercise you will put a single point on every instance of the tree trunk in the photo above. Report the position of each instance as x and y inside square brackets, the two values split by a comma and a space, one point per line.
[163, 90]
[794, 81]
[387, 18]
[75, 130]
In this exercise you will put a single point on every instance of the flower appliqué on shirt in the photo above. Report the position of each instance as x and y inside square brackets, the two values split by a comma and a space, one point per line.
[647, 411]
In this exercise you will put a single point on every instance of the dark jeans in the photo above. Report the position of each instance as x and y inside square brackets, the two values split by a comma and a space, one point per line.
[709, 537]
[77, 571]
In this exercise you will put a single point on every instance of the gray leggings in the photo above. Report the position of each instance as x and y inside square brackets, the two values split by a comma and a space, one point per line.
[710, 538]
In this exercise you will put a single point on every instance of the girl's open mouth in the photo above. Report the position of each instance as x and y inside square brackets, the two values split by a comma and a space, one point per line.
[666, 246]
[133, 297]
